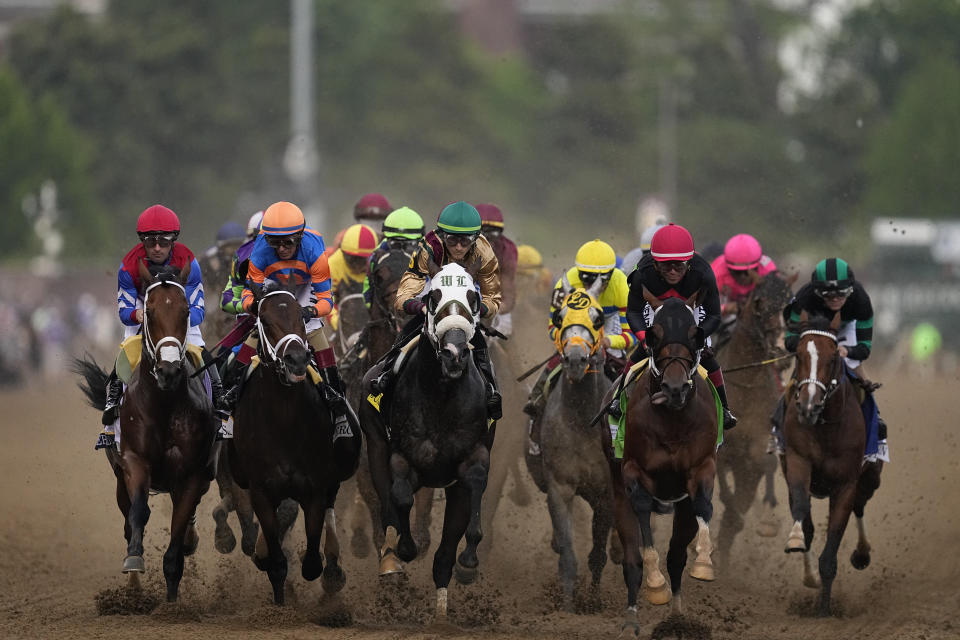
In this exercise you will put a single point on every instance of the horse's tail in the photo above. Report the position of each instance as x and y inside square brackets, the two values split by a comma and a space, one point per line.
[95, 380]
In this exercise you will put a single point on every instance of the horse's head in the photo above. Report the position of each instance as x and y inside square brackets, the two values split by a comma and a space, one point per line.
[579, 337]
[819, 366]
[672, 340]
[282, 334]
[385, 277]
[761, 311]
[452, 307]
[354, 314]
[166, 318]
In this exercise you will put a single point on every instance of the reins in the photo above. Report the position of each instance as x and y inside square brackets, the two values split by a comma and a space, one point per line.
[276, 351]
[173, 353]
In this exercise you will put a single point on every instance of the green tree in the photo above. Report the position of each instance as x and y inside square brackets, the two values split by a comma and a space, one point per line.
[39, 145]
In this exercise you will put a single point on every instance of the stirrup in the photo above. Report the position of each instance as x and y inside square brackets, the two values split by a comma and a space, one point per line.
[613, 409]
[729, 420]
[381, 382]
[105, 440]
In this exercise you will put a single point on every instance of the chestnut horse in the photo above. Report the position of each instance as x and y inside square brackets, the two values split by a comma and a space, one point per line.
[825, 438]
[167, 427]
[669, 455]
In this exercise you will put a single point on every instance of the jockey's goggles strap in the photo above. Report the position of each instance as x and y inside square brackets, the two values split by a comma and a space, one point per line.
[281, 346]
[167, 354]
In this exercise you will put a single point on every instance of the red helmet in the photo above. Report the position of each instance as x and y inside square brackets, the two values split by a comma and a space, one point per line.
[490, 215]
[158, 219]
[742, 252]
[670, 243]
[372, 206]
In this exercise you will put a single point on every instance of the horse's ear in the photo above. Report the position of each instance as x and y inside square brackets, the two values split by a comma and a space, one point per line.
[651, 299]
[474, 299]
[657, 331]
[434, 299]
[804, 318]
[835, 323]
[145, 276]
[692, 300]
[185, 273]
[597, 316]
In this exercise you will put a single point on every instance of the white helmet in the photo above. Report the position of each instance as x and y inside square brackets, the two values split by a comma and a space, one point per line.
[253, 224]
[647, 236]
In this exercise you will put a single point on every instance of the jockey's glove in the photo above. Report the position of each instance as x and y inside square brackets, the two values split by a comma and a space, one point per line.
[484, 310]
[308, 313]
[413, 306]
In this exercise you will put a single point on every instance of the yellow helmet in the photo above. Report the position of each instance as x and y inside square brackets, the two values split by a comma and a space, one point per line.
[596, 256]
[528, 257]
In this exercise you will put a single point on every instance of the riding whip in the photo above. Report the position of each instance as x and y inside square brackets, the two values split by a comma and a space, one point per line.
[758, 364]
[526, 374]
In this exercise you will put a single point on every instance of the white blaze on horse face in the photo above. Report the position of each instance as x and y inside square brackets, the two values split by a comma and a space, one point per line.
[811, 386]
[170, 354]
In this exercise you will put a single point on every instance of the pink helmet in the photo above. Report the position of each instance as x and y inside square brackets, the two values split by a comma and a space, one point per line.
[742, 252]
[671, 242]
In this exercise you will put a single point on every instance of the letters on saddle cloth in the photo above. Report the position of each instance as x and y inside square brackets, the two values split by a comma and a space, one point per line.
[616, 425]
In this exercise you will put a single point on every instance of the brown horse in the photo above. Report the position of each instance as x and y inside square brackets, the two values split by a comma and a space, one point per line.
[755, 390]
[825, 438]
[167, 428]
[282, 444]
[670, 454]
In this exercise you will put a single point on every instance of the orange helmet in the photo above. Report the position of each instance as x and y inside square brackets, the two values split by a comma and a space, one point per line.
[359, 240]
[282, 219]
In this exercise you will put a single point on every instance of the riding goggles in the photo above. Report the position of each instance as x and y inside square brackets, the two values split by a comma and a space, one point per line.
[402, 244]
[454, 239]
[587, 278]
[277, 242]
[680, 266]
[834, 293]
[160, 240]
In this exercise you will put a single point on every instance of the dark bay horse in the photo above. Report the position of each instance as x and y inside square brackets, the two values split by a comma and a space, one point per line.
[166, 427]
[754, 391]
[670, 454]
[825, 437]
[572, 457]
[433, 432]
[282, 445]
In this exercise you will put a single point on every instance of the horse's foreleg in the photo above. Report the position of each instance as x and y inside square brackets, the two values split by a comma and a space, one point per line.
[600, 529]
[274, 562]
[313, 516]
[797, 471]
[456, 517]
[224, 540]
[867, 484]
[559, 503]
[700, 490]
[641, 501]
[123, 502]
[401, 496]
[628, 532]
[334, 578]
[475, 479]
[185, 500]
[422, 518]
[841, 504]
[685, 525]
[137, 483]
[769, 524]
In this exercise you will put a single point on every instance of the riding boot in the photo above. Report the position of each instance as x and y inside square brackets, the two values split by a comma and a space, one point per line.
[729, 420]
[221, 410]
[346, 442]
[537, 399]
[111, 409]
[482, 357]
[384, 381]
[231, 385]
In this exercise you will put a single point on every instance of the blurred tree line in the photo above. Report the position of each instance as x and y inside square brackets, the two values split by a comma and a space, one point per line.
[188, 105]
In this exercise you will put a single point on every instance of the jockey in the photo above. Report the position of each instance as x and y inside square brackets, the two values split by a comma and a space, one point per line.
[739, 269]
[288, 250]
[350, 261]
[457, 238]
[372, 209]
[833, 288]
[158, 228]
[633, 257]
[402, 231]
[532, 276]
[673, 269]
[491, 219]
[595, 259]
[233, 291]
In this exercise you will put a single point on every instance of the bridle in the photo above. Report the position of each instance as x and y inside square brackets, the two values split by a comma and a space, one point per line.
[275, 352]
[174, 353]
[828, 389]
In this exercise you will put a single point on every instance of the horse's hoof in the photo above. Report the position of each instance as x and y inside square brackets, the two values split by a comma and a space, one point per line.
[860, 560]
[191, 540]
[133, 564]
[223, 539]
[465, 575]
[703, 571]
[311, 567]
[248, 538]
[768, 528]
[260, 562]
[659, 595]
[334, 578]
[795, 541]
[360, 544]
[390, 563]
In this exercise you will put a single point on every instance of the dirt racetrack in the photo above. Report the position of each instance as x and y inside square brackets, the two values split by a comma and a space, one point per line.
[62, 544]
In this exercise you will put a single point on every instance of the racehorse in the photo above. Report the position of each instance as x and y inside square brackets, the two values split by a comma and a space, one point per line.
[754, 390]
[167, 427]
[825, 438]
[572, 456]
[353, 318]
[282, 445]
[433, 432]
[670, 454]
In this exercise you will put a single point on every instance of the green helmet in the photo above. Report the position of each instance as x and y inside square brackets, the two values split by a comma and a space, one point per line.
[832, 274]
[459, 218]
[403, 223]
